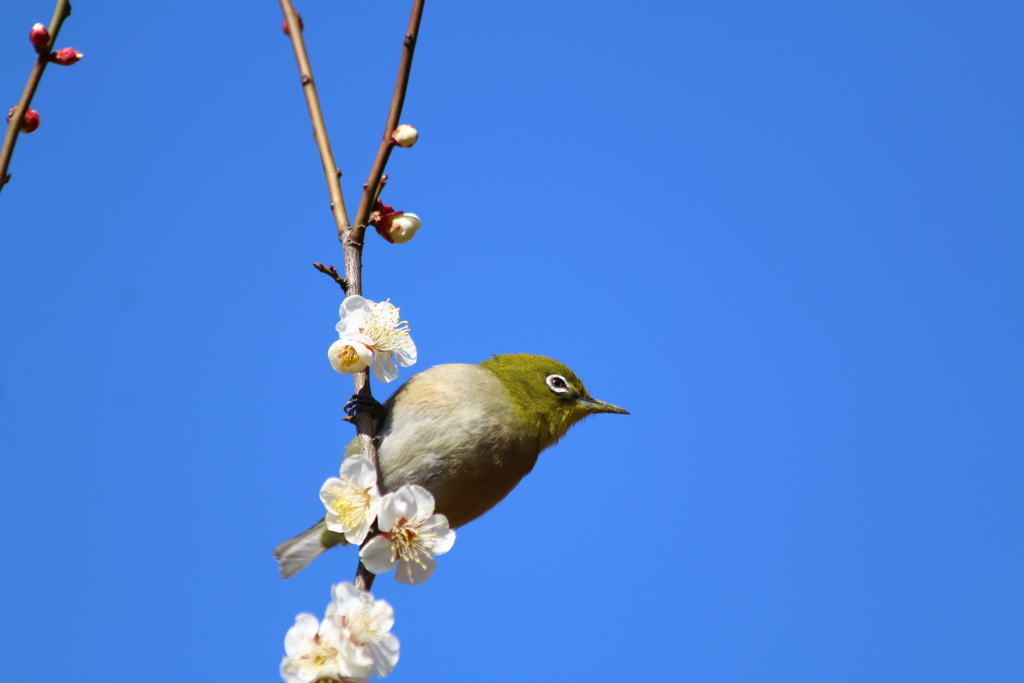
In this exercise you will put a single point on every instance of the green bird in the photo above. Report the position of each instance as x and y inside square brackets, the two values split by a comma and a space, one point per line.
[468, 434]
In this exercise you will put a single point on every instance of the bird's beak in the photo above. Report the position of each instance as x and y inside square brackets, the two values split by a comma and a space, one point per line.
[594, 406]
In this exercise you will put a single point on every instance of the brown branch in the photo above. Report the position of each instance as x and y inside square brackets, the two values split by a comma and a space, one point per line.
[353, 243]
[331, 272]
[331, 172]
[61, 12]
[364, 578]
[386, 144]
[352, 237]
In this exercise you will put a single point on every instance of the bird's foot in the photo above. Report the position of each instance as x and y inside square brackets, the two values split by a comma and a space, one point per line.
[359, 403]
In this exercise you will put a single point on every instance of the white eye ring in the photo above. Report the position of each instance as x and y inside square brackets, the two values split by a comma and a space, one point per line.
[557, 383]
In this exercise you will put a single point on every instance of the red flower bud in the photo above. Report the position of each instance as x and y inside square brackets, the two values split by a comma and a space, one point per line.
[29, 123]
[39, 37]
[66, 56]
[284, 25]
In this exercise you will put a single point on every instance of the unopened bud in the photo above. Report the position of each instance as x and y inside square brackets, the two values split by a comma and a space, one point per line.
[29, 123]
[66, 56]
[405, 136]
[284, 25]
[399, 228]
[39, 37]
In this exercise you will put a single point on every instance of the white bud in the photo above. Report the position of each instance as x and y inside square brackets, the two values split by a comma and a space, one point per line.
[403, 227]
[405, 136]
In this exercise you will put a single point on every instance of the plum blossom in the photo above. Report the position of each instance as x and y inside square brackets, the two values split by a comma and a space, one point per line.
[317, 651]
[411, 535]
[352, 500]
[366, 624]
[371, 334]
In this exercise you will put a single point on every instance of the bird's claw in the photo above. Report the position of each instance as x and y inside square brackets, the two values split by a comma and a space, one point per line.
[360, 402]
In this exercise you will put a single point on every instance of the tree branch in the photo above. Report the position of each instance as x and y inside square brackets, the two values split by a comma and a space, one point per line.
[61, 12]
[352, 237]
[331, 172]
[397, 101]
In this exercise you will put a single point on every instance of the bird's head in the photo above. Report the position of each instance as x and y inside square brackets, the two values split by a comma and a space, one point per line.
[547, 396]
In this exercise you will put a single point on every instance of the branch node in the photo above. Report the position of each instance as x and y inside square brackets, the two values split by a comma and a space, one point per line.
[306, 80]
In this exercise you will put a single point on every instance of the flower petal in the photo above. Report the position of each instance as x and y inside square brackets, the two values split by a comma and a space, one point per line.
[359, 471]
[342, 594]
[406, 355]
[385, 654]
[404, 504]
[388, 515]
[445, 537]
[412, 574]
[376, 555]
[384, 369]
[357, 534]
[305, 628]
[422, 504]
[354, 311]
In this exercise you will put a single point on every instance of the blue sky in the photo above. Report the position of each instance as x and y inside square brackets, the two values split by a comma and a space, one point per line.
[786, 236]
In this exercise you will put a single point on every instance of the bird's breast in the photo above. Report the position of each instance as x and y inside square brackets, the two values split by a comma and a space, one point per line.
[452, 429]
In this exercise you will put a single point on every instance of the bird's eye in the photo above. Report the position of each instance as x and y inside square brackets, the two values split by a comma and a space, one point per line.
[558, 384]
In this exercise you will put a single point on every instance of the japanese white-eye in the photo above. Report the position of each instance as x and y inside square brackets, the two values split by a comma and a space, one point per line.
[469, 434]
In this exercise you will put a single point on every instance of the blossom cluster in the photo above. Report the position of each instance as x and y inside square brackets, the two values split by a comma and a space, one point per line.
[353, 641]
[411, 533]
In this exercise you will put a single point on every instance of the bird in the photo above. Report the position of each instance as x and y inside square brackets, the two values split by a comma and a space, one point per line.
[468, 434]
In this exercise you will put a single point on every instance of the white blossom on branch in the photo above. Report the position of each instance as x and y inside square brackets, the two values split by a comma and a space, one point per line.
[411, 534]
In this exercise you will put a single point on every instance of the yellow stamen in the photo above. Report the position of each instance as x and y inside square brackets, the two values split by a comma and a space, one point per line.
[350, 503]
[348, 356]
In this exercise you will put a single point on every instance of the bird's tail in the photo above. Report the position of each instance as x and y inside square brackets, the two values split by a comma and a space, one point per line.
[296, 553]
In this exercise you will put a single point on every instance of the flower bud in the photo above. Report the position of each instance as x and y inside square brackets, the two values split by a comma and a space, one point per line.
[284, 25]
[66, 56]
[39, 37]
[405, 136]
[29, 123]
[399, 228]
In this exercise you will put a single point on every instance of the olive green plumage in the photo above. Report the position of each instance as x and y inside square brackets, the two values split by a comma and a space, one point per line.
[469, 434]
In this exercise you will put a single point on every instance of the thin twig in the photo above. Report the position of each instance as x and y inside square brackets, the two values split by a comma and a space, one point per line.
[331, 172]
[386, 144]
[331, 272]
[61, 12]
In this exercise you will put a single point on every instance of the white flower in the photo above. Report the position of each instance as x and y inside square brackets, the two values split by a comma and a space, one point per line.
[320, 651]
[349, 356]
[371, 334]
[405, 135]
[411, 535]
[352, 501]
[366, 623]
